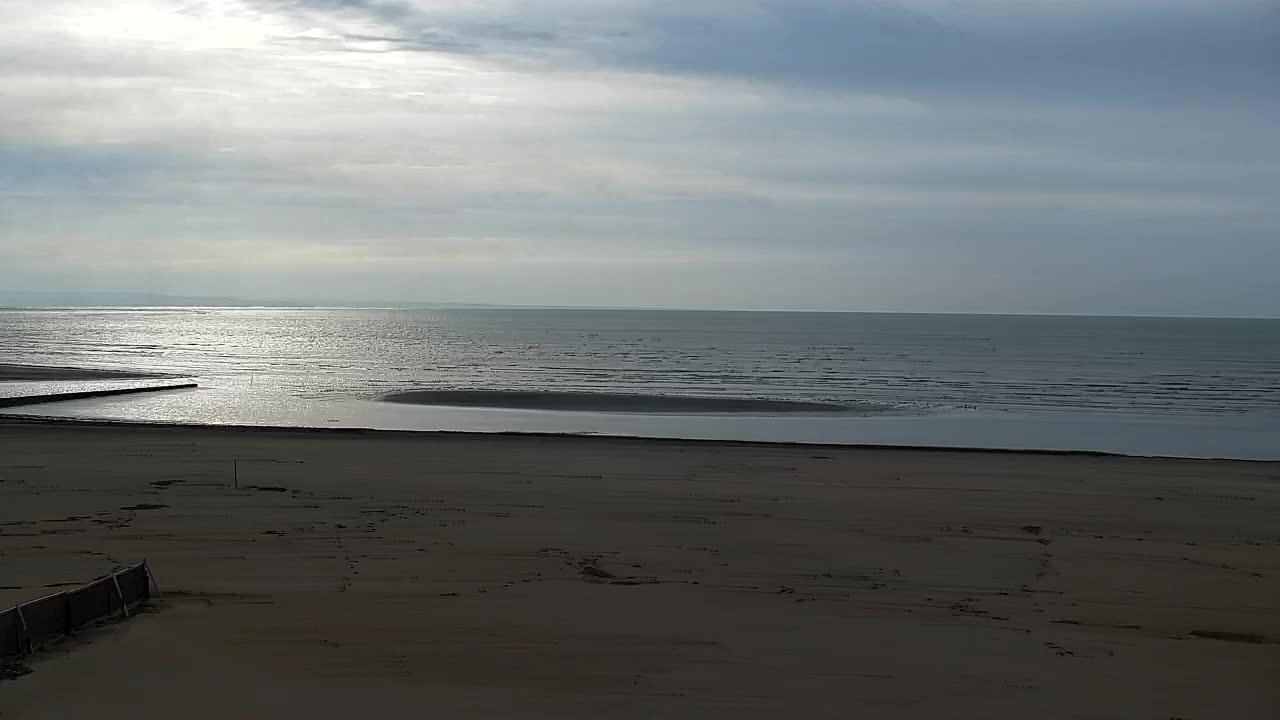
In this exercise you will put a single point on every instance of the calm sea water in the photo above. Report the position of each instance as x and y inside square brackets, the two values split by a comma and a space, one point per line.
[1209, 386]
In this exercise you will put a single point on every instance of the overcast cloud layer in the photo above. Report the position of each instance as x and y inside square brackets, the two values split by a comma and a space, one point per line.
[1093, 156]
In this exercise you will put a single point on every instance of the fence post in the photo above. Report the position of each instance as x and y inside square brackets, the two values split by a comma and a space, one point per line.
[124, 605]
[26, 633]
[151, 580]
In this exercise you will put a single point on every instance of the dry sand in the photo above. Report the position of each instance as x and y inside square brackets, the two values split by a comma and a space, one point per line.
[488, 576]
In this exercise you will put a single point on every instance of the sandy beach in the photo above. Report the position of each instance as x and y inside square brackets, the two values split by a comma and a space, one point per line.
[548, 577]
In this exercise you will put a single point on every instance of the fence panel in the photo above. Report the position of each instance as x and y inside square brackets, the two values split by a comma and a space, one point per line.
[91, 602]
[46, 618]
[10, 633]
[135, 583]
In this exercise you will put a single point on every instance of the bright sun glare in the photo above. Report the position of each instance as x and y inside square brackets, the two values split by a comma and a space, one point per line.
[160, 23]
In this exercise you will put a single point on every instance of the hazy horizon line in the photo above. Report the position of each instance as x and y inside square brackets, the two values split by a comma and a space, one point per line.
[237, 303]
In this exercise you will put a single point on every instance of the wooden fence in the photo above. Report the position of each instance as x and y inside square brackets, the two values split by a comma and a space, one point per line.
[24, 628]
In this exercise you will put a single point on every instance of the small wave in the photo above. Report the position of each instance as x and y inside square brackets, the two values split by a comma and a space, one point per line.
[609, 402]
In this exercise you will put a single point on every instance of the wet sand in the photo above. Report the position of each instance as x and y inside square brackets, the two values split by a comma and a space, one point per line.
[12, 373]
[512, 576]
[607, 402]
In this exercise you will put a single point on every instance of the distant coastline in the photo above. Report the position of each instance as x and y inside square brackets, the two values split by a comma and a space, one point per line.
[29, 300]
[67, 300]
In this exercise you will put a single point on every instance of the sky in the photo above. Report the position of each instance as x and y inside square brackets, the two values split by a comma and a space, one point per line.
[1055, 156]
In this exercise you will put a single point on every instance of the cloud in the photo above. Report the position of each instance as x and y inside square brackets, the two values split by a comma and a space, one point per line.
[257, 136]
[1122, 51]
[1114, 55]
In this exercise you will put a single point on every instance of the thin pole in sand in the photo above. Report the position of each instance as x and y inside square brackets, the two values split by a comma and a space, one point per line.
[153, 587]
[26, 632]
[235, 469]
[124, 604]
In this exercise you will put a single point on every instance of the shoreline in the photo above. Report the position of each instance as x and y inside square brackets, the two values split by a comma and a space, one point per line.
[7, 418]
[233, 401]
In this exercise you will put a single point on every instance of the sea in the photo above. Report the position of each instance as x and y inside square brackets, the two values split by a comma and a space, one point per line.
[1186, 387]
